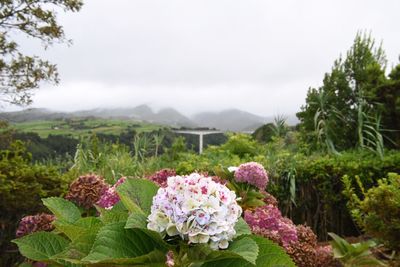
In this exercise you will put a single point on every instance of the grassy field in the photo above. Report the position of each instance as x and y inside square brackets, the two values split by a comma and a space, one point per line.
[82, 127]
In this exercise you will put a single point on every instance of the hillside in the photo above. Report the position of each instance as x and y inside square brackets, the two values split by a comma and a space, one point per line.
[232, 119]
[82, 127]
[226, 120]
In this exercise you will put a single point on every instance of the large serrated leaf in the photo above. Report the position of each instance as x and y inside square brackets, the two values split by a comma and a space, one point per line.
[242, 228]
[81, 246]
[41, 246]
[80, 227]
[112, 216]
[269, 255]
[62, 209]
[116, 245]
[245, 247]
[137, 195]
[156, 238]
[136, 220]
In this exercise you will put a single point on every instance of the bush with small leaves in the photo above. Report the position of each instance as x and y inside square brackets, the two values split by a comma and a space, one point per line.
[378, 212]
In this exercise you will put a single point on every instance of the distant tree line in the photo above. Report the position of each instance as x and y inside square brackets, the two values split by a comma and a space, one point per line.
[64, 146]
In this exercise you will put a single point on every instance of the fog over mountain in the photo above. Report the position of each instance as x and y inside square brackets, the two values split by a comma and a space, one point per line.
[226, 120]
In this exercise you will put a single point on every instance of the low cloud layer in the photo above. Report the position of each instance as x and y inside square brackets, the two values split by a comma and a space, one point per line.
[260, 56]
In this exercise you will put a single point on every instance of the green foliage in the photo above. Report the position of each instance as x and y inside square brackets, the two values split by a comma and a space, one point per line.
[319, 201]
[22, 184]
[387, 101]
[62, 209]
[112, 239]
[242, 228]
[116, 245]
[266, 132]
[41, 246]
[350, 110]
[20, 74]
[308, 186]
[378, 212]
[137, 195]
[358, 254]
[240, 145]
[109, 160]
[178, 147]
[269, 254]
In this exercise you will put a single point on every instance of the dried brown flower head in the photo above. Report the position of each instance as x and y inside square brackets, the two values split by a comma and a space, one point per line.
[86, 190]
[34, 223]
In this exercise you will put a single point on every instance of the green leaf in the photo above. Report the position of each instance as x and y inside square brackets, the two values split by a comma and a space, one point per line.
[136, 220]
[78, 228]
[202, 253]
[62, 209]
[41, 246]
[254, 202]
[246, 247]
[82, 244]
[340, 247]
[137, 195]
[114, 216]
[269, 255]
[116, 245]
[156, 237]
[255, 194]
[366, 262]
[119, 206]
[242, 228]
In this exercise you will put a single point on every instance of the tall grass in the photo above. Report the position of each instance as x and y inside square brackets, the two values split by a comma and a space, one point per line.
[109, 160]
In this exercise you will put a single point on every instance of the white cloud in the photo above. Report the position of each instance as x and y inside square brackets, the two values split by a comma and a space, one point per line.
[260, 56]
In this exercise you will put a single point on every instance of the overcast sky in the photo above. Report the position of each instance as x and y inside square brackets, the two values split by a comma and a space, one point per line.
[259, 56]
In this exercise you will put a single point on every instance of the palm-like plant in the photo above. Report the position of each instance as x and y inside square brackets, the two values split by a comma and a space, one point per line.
[354, 255]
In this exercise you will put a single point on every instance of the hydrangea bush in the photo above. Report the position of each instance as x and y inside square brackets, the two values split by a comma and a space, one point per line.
[110, 197]
[193, 221]
[265, 219]
[249, 181]
[269, 222]
[252, 173]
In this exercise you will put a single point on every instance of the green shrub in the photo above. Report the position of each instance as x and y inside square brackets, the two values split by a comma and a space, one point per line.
[308, 186]
[319, 201]
[378, 213]
[22, 185]
[241, 145]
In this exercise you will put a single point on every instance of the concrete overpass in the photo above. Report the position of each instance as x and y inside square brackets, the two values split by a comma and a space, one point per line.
[200, 133]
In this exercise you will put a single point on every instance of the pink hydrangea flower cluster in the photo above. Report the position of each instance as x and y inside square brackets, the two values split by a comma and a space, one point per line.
[252, 173]
[160, 177]
[110, 197]
[269, 222]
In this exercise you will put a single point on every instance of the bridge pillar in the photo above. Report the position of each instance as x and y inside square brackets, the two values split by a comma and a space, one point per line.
[200, 143]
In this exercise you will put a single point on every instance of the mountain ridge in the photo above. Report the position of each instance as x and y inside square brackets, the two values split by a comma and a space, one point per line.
[226, 120]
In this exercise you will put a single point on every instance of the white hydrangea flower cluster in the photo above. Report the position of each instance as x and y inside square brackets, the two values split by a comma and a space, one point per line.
[197, 209]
